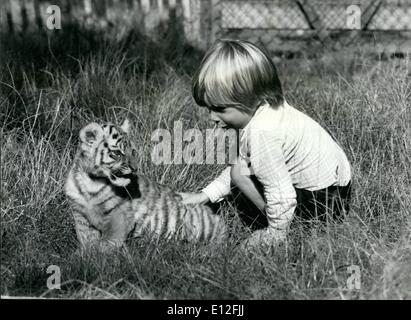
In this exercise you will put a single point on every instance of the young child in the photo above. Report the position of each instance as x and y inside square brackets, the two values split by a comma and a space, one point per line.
[288, 165]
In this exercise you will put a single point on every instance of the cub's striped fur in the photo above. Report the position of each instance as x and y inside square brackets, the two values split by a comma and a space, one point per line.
[111, 202]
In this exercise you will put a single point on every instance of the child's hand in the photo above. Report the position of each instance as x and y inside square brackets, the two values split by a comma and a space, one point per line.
[194, 198]
[264, 238]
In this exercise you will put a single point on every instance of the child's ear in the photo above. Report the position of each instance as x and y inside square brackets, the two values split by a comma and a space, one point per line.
[125, 126]
[91, 133]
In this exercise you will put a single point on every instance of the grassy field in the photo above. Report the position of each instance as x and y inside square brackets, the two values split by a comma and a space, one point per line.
[51, 87]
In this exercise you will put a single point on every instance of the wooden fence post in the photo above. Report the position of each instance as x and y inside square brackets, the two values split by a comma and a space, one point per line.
[204, 23]
[187, 19]
[68, 12]
[172, 4]
[160, 6]
[145, 8]
[7, 15]
[88, 8]
[139, 15]
[196, 23]
[24, 16]
[145, 5]
[215, 20]
[100, 8]
[37, 13]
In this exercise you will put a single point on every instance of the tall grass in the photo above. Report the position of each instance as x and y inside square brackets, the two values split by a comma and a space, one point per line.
[52, 86]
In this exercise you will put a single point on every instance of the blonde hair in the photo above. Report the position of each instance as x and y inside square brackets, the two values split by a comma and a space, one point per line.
[236, 73]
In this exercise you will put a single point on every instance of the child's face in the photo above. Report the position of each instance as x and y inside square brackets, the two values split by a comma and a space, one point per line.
[229, 117]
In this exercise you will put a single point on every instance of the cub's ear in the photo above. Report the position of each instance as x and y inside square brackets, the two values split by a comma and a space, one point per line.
[125, 126]
[91, 133]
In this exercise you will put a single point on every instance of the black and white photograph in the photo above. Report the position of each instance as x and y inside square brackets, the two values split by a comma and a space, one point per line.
[207, 154]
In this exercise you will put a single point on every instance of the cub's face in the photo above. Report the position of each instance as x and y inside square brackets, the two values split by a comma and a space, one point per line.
[107, 150]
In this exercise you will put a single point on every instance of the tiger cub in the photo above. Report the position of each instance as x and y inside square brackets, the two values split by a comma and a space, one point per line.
[111, 202]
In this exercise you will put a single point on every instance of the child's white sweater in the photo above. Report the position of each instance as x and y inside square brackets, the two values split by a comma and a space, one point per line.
[286, 149]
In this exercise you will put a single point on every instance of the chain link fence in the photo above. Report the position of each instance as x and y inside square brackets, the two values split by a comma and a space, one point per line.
[295, 26]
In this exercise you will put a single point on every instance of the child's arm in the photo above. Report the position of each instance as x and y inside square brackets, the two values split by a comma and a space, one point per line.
[269, 167]
[215, 191]
[220, 187]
